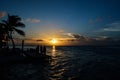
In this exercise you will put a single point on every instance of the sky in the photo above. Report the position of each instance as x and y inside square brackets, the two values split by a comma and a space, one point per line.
[71, 22]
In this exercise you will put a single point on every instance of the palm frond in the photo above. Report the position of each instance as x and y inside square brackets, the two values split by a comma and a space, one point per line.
[19, 24]
[15, 17]
[20, 32]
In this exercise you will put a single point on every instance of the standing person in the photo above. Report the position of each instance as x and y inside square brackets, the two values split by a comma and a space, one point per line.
[37, 49]
[44, 50]
[22, 46]
[41, 49]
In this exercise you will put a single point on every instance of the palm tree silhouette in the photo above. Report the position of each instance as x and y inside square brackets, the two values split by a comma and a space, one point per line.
[11, 25]
[2, 34]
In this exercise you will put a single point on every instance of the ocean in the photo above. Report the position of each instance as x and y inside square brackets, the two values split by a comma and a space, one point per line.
[70, 63]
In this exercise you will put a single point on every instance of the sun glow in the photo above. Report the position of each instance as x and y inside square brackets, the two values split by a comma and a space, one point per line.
[53, 41]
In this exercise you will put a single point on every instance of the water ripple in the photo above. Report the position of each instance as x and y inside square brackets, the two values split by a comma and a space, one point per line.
[69, 63]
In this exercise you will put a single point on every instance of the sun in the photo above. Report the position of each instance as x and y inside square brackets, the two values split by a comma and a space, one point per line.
[53, 41]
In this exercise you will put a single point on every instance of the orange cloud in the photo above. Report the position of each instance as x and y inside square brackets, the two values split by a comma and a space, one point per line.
[2, 14]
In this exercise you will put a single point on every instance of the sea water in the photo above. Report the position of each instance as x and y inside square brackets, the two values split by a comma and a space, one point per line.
[70, 63]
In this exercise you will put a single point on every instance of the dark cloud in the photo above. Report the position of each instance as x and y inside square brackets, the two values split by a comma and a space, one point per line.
[81, 37]
[71, 40]
[30, 39]
[101, 40]
[39, 40]
[112, 26]
[77, 36]
[105, 40]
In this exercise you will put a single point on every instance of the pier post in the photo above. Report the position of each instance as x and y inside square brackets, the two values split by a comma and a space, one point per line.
[22, 45]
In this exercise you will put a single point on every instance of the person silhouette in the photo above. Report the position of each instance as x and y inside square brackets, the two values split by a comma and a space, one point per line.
[44, 50]
[41, 49]
[37, 49]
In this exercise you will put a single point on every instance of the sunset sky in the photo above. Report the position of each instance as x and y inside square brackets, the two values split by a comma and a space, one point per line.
[70, 22]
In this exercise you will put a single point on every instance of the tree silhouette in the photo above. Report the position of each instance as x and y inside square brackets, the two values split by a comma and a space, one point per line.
[11, 25]
[3, 34]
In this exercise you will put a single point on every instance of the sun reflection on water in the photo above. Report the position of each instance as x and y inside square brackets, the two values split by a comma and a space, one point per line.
[53, 50]
[57, 66]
